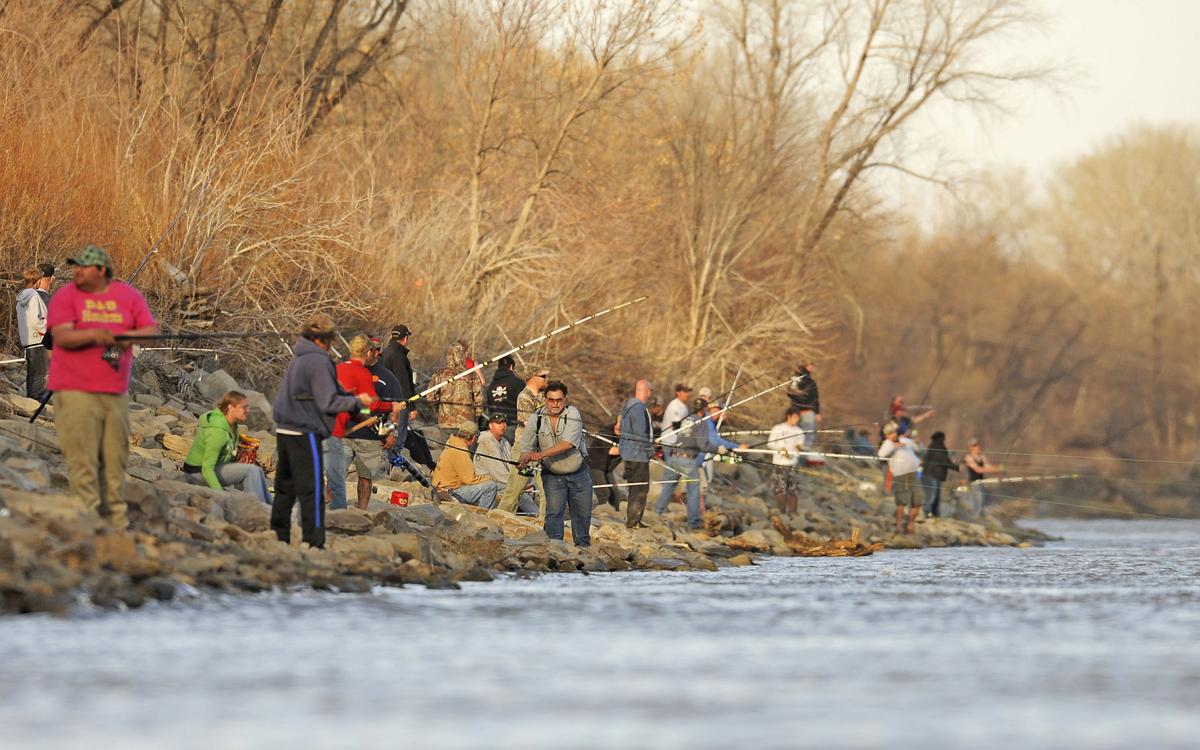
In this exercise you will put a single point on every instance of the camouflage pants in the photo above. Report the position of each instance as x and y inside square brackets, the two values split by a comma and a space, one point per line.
[785, 482]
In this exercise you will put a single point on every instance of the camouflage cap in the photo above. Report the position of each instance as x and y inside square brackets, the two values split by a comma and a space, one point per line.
[91, 255]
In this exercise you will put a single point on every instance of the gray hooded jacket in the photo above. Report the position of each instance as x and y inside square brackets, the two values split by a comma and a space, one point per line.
[309, 397]
[31, 317]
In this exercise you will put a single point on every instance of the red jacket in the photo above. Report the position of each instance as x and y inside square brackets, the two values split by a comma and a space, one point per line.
[356, 378]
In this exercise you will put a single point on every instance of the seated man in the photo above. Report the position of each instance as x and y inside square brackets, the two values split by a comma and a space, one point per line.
[214, 450]
[456, 474]
[493, 459]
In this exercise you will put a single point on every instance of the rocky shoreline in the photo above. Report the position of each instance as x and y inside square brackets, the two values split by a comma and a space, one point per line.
[54, 555]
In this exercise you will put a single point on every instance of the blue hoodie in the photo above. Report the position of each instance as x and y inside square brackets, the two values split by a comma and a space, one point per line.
[309, 397]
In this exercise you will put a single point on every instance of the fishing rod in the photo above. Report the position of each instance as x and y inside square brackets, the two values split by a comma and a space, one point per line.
[155, 247]
[813, 454]
[481, 365]
[729, 395]
[707, 417]
[1030, 478]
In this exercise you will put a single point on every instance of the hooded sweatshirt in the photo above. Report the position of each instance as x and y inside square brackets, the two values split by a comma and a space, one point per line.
[459, 400]
[309, 397]
[31, 317]
[215, 443]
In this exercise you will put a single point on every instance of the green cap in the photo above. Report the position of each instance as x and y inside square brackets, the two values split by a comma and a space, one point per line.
[91, 255]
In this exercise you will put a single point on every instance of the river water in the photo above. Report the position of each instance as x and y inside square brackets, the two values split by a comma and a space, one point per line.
[1092, 642]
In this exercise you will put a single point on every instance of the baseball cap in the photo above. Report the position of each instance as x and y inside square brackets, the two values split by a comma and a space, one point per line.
[92, 255]
[497, 417]
[681, 387]
[706, 392]
[542, 371]
[699, 403]
[376, 344]
[400, 330]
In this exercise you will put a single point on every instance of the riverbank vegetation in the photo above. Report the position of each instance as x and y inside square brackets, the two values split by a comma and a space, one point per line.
[489, 169]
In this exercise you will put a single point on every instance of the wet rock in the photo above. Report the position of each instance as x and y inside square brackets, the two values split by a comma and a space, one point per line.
[740, 560]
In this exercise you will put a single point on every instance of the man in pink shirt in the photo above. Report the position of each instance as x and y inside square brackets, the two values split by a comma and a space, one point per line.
[89, 375]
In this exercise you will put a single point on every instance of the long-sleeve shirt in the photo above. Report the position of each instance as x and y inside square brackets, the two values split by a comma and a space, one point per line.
[714, 441]
[31, 317]
[789, 438]
[454, 468]
[491, 456]
[901, 456]
[676, 411]
[356, 378]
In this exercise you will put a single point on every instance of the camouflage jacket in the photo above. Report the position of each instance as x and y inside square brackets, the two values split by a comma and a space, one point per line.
[527, 403]
[462, 400]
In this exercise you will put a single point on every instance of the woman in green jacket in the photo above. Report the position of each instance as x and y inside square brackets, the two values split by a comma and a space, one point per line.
[214, 450]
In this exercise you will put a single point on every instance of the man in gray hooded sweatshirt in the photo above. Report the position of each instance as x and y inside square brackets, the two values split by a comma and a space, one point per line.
[309, 399]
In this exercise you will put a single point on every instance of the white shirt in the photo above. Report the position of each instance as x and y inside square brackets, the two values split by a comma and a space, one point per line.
[901, 457]
[785, 437]
[676, 411]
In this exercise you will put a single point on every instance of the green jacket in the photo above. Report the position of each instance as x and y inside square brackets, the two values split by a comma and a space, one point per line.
[215, 443]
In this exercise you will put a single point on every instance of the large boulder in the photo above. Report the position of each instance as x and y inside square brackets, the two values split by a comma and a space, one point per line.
[260, 415]
[215, 384]
[347, 521]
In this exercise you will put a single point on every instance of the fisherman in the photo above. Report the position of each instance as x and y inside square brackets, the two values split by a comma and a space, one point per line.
[715, 445]
[676, 411]
[456, 474]
[603, 457]
[978, 467]
[684, 460]
[504, 391]
[305, 408]
[350, 443]
[493, 458]
[903, 417]
[938, 464]
[459, 400]
[903, 463]
[554, 438]
[636, 447]
[395, 359]
[89, 375]
[528, 401]
[787, 439]
[804, 395]
[32, 305]
[213, 455]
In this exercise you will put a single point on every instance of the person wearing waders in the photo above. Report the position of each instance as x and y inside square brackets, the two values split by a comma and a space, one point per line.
[308, 401]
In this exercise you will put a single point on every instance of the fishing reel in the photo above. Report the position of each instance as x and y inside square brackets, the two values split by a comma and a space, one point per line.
[385, 428]
[526, 471]
[112, 357]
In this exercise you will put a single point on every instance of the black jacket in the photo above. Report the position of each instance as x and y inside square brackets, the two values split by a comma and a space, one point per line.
[395, 358]
[502, 394]
[938, 464]
[804, 395]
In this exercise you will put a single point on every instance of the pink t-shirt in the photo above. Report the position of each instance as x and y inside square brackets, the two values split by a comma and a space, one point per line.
[119, 308]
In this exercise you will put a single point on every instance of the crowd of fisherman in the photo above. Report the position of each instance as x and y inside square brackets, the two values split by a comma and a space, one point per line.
[516, 444]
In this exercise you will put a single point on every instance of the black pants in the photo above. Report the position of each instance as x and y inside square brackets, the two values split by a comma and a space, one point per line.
[37, 366]
[608, 495]
[419, 449]
[636, 471]
[298, 480]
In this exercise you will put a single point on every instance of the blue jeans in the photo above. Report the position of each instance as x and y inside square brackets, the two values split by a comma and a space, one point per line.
[933, 495]
[684, 468]
[573, 490]
[334, 456]
[482, 494]
[808, 423]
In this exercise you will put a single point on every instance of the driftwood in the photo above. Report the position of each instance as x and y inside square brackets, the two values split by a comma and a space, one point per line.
[805, 547]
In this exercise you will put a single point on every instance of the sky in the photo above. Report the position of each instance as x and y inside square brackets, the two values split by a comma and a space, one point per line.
[1121, 63]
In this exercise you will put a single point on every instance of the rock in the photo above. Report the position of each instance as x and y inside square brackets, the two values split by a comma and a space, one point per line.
[347, 521]
[25, 473]
[260, 415]
[422, 515]
[361, 553]
[151, 401]
[246, 511]
[740, 560]
[214, 385]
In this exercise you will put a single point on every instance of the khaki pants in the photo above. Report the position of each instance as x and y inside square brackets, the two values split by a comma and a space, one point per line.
[93, 430]
[516, 485]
